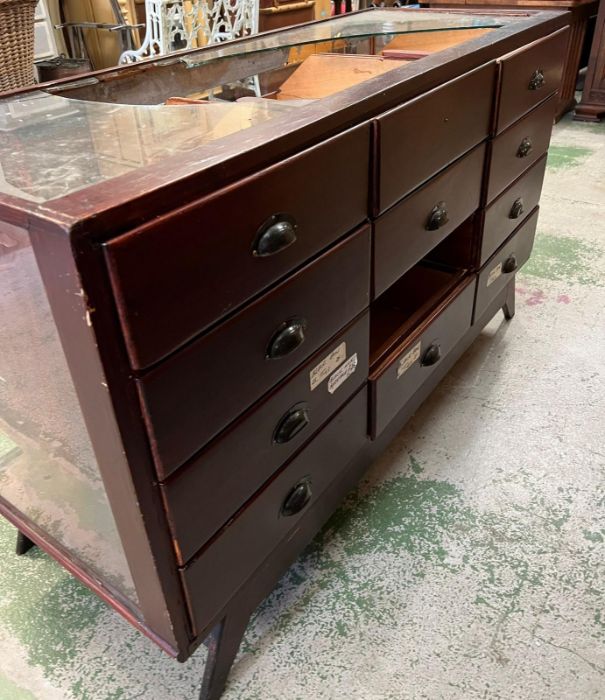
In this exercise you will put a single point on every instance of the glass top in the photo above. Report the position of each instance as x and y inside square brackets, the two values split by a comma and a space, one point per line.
[59, 141]
[359, 25]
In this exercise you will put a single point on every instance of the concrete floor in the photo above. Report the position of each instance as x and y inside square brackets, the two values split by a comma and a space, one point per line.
[469, 564]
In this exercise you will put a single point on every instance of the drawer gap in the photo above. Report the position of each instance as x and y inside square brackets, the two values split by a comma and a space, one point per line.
[407, 303]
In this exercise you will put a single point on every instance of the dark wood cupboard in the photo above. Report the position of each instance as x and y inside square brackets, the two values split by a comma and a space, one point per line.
[220, 302]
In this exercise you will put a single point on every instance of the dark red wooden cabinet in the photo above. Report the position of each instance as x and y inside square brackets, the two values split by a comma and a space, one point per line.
[217, 312]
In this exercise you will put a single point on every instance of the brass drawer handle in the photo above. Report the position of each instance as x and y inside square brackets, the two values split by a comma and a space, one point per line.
[437, 217]
[431, 356]
[525, 148]
[537, 80]
[510, 264]
[517, 209]
[298, 498]
[291, 424]
[276, 234]
[287, 338]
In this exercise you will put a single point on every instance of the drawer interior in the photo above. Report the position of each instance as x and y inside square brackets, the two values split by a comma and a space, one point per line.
[407, 303]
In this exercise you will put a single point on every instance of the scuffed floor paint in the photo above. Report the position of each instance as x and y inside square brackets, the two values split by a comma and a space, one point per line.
[468, 564]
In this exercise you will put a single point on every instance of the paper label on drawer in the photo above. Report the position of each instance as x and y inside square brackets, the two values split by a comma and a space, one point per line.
[494, 274]
[327, 365]
[342, 373]
[408, 359]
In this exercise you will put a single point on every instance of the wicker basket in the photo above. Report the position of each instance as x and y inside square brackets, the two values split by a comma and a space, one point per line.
[16, 43]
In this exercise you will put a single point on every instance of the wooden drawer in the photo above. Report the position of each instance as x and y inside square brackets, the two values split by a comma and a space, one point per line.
[414, 340]
[205, 494]
[207, 259]
[530, 75]
[499, 269]
[196, 393]
[423, 136]
[408, 231]
[241, 547]
[519, 147]
[506, 213]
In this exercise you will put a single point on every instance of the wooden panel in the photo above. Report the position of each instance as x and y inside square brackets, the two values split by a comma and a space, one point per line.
[203, 253]
[506, 213]
[196, 393]
[321, 75]
[251, 537]
[228, 472]
[403, 235]
[428, 133]
[406, 368]
[497, 273]
[538, 66]
[423, 43]
[518, 148]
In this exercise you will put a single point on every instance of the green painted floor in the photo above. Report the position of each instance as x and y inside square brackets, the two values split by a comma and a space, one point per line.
[470, 563]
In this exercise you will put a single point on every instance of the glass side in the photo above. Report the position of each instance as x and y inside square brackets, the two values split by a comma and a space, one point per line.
[48, 470]
[99, 128]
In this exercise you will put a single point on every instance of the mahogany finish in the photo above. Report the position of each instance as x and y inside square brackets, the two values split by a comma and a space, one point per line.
[408, 365]
[231, 363]
[189, 251]
[519, 147]
[260, 526]
[528, 76]
[501, 267]
[412, 228]
[417, 140]
[250, 445]
[578, 15]
[203, 307]
[504, 214]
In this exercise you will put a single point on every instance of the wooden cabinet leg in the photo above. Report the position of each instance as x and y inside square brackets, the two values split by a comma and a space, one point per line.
[223, 644]
[509, 304]
[24, 544]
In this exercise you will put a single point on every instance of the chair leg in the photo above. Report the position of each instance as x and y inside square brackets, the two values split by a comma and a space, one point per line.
[509, 304]
[223, 644]
[24, 544]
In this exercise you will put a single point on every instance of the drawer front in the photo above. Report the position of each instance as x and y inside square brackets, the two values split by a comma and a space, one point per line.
[251, 537]
[409, 366]
[519, 147]
[207, 259]
[423, 136]
[203, 496]
[196, 393]
[412, 228]
[529, 76]
[506, 213]
[500, 268]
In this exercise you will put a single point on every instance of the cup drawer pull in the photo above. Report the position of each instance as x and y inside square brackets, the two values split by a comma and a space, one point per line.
[432, 355]
[537, 80]
[276, 234]
[517, 209]
[437, 217]
[509, 265]
[287, 338]
[525, 148]
[298, 498]
[291, 424]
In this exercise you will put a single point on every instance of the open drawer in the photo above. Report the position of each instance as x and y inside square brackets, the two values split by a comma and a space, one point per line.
[413, 326]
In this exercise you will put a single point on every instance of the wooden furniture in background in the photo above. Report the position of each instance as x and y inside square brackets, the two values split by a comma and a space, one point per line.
[580, 12]
[275, 14]
[208, 340]
[592, 105]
